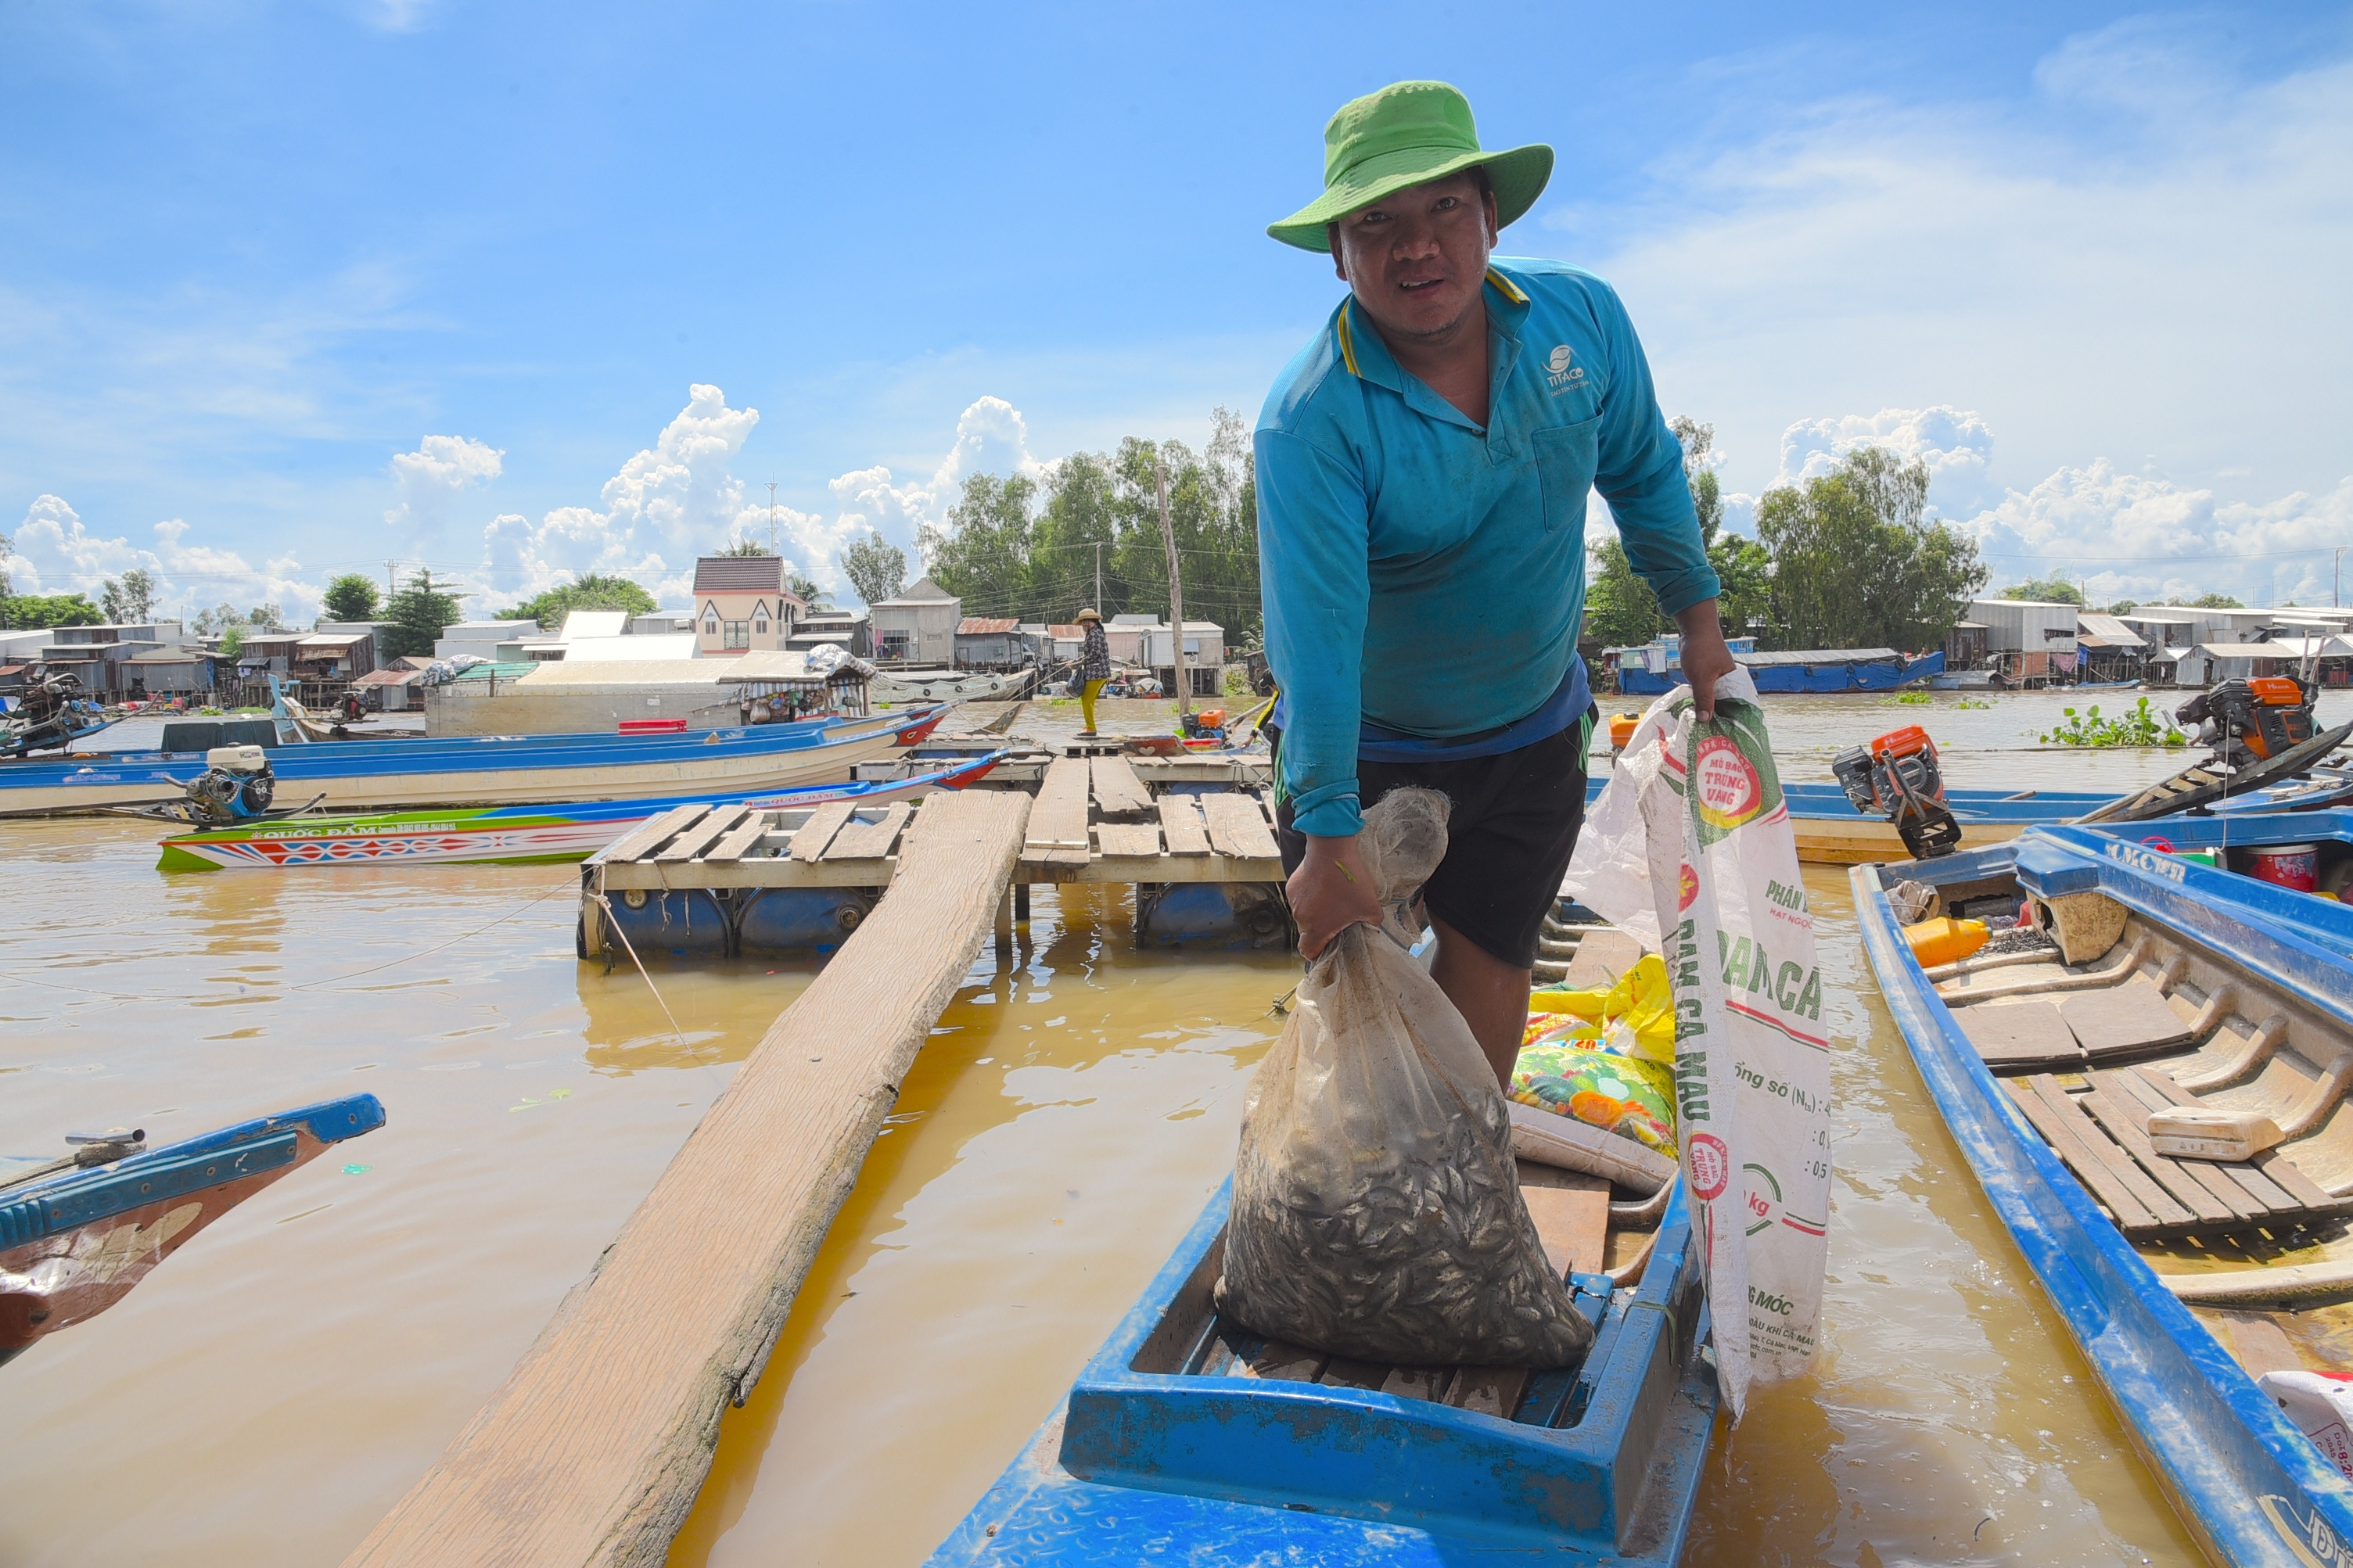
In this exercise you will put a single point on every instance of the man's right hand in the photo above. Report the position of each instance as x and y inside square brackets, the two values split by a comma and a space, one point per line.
[1332, 890]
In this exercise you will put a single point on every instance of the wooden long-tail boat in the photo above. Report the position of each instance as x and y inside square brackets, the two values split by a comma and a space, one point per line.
[492, 770]
[77, 1233]
[2144, 986]
[499, 835]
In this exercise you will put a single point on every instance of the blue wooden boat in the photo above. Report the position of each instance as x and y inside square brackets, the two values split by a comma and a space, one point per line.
[2180, 1280]
[492, 770]
[1187, 1440]
[78, 1232]
[1830, 832]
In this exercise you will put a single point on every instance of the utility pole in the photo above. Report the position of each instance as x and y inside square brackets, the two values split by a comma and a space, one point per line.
[1098, 607]
[390, 587]
[2336, 587]
[1176, 594]
[772, 517]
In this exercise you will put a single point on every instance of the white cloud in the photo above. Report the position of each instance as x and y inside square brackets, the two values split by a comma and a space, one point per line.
[430, 480]
[2133, 536]
[678, 499]
[2142, 258]
[1955, 446]
[55, 554]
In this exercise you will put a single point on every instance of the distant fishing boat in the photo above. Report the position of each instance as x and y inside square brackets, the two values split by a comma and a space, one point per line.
[500, 835]
[490, 770]
[1820, 671]
[2167, 1001]
[78, 1232]
[1190, 1439]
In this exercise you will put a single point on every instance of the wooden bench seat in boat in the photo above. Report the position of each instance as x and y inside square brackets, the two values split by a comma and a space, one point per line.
[2102, 1135]
[2087, 1028]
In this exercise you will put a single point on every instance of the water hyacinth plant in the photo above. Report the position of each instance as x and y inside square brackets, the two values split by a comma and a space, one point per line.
[2139, 726]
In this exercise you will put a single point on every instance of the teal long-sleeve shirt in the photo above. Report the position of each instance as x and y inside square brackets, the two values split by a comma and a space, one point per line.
[1427, 575]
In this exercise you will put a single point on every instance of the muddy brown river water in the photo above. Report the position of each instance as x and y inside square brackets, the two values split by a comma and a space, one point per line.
[268, 1394]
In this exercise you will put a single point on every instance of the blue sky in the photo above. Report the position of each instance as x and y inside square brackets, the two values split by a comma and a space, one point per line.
[524, 290]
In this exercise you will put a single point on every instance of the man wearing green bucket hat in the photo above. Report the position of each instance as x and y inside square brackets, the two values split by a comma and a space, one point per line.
[1422, 472]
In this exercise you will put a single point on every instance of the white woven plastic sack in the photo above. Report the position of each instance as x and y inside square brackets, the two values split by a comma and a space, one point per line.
[1376, 1208]
[1707, 877]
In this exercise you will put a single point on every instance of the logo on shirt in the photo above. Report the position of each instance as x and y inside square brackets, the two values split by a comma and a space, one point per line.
[1563, 374]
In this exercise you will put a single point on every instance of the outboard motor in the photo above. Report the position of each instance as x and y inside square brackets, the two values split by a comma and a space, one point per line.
[237, 786]
[1897, 776]
[2248, 722]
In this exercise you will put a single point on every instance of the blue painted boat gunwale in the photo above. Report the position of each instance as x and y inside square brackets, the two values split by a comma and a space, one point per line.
[2219, 1445]
[457, 754]
[2189, 896]
[70, 1198]
[1085, 1490]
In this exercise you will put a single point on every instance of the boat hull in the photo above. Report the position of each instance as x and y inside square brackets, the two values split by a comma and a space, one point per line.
[2253, 1488]
[352, 776]
[73, 1245]
[498, 836]
[1148, 1466]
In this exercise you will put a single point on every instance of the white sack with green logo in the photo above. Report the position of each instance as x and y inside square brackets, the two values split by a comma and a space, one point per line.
[1708, 877]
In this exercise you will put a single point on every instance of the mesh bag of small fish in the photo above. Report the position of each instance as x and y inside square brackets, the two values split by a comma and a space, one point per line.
[1377, 1209]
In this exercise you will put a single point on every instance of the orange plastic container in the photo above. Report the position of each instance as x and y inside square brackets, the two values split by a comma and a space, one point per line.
[1945, 939]
[1621, 728]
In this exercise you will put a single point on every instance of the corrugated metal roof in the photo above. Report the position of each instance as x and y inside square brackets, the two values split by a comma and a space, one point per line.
[2107, 631]
[331, 639]
[984, 625]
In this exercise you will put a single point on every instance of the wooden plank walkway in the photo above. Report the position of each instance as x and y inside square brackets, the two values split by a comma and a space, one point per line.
[593, 1449]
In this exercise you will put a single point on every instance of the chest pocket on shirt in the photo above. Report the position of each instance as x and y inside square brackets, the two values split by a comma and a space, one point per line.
[1565, 459]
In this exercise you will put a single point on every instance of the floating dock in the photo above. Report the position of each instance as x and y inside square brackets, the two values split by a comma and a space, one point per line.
[708, 879]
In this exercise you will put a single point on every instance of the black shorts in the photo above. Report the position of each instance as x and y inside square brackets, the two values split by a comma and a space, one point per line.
[1508, 838]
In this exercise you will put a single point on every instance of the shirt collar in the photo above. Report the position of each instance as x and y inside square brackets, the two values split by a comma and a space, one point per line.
[1368, 358]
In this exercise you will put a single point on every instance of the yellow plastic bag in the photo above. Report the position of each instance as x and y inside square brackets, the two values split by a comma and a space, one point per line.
[1642, 999]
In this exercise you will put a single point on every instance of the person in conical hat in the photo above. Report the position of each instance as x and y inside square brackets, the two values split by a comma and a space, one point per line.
[1423, 469]
[1094, 667]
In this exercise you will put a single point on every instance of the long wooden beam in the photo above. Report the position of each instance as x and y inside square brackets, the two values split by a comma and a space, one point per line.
[592, 1450]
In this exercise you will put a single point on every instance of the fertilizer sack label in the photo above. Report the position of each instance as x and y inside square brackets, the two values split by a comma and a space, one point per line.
[1690, 850]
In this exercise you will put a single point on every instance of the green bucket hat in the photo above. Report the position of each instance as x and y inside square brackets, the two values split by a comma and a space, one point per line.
[1407, 133]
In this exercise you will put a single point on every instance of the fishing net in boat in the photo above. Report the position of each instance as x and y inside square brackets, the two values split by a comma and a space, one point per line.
[1377, 1209]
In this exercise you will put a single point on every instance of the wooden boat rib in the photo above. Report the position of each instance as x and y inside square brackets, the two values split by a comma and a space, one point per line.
[75, 1241]
[2181, 1280]
[500, 836]
[494, 769]
[1185, 1429]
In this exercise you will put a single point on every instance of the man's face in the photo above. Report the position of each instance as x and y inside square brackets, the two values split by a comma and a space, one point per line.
[1416, 259]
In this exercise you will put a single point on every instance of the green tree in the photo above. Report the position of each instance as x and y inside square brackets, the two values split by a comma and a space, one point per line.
[1855, 562]
[1619, 606]
[31, 612]
[1014, 547]
[130, 599]
[232, 641]
[265, 617]
[420, 614]
[591, 592]
[2207, 601]
[740, 545]
[352, 597]
[876, 571]
[809, 593]
[2124, 606]
[218, 619]
[2045, 591]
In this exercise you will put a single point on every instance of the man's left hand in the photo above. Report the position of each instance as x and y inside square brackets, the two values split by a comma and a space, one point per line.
[1706, 659]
